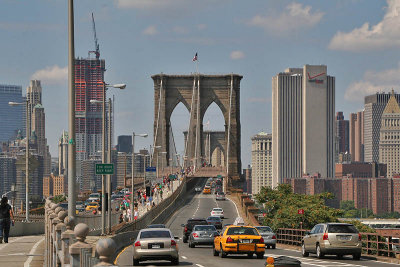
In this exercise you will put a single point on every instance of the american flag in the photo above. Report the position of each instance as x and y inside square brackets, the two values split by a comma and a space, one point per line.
[195, 57]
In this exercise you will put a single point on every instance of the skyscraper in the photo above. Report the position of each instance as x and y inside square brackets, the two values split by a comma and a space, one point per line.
[389, 145]
[89, 78]
[357, 136]
[124, 143]
[63, 154]
[261, 161]
[11, 119]
[303, 128]
[373, 109]
[342, 132]
[34, 97]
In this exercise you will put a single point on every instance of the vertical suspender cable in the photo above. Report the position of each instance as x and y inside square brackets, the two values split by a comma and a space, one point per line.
[229, 129]
[197, 145]
[190, 119]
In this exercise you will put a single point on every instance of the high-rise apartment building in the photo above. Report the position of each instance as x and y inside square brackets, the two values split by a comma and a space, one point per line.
[89, 79]
[90, 181]
[357, 136]
[63, 154]
[342, 133]
[124, 168]
[261, 161]
[389, 144]
[373, 109]
[11, 119]
[303, 123]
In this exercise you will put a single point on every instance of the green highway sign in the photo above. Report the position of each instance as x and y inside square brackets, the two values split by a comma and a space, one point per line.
[107, 168]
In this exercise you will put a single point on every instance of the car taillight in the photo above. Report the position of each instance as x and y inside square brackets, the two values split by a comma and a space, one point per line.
[229, 240]
[195, 235]
[325, 237]
[273, 237]
[137, 244]
[173, 242]
[261, 240]
[185, 228]
[359, 237]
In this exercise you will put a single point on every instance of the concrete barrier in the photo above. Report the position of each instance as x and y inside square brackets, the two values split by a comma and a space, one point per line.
[31, 228]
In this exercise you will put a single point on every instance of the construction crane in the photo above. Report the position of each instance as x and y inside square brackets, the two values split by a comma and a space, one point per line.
[96, 44]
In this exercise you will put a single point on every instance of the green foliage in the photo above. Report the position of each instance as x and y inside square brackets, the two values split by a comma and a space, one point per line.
[389, 215]
[281, 206]
[59, 198]
[349, 211]
[362, 227]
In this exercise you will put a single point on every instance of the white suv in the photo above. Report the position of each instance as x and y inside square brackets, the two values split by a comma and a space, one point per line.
[217, 212]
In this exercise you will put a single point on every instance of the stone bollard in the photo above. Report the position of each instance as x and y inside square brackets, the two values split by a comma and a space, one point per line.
[52, 217]
[54, 222]
[75, 250]
[106, 248]
[59, 228]
[67, 238]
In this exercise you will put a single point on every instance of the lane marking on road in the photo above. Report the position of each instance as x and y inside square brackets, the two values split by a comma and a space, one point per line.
[237, 211]
[119, 254]
[199, 265]
[30, 258]
[184, 257]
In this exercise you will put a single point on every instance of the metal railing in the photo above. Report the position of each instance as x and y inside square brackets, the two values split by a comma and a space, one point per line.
[373, 244]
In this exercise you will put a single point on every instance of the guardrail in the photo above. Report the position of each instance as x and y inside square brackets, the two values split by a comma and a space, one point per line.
[373, 244]
[67, 247]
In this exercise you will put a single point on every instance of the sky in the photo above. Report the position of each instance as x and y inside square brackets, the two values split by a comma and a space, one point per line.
[358, 40]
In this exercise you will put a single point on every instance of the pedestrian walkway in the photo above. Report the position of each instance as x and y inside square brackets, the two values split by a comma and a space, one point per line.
[23, 251]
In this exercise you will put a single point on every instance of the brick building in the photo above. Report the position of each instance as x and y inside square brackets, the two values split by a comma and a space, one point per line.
[359, 169]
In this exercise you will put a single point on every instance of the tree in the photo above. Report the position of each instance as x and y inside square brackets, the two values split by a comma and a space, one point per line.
[59, 198]
[282, 207]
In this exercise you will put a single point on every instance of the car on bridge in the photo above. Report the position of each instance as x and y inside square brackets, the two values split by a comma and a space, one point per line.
[92, 206]
[216, 221]
[198, 189]
[188, 227]
[334, 239]
[268, 235]
[202, 235]
[239, 240]
[217, 212]
[220, 196]
[155, 244]
[207, 190]
[94, 197]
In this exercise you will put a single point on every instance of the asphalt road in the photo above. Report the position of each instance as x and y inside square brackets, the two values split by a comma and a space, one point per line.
[200, 206]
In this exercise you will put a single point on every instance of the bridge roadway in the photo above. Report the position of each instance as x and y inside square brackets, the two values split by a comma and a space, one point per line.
[200, 206]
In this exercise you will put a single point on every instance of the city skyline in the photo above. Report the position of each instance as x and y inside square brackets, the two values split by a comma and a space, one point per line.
[161, 43]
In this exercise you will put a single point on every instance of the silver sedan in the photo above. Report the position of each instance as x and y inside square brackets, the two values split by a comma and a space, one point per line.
[268, 235]
[155, 244]
[202, 235]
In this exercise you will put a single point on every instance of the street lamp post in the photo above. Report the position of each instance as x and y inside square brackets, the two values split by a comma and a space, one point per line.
[103, 150]
[133, 169]
[109, 161]
[26, 157]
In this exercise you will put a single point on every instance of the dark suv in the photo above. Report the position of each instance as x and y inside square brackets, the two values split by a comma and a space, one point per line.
[188, 227]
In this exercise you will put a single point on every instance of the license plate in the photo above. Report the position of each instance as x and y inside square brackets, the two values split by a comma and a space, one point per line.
[155, 246]
[245, 241]
[344, 238]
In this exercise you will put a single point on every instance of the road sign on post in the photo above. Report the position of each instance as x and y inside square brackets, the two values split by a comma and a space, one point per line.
[103, 169]
[300, 211]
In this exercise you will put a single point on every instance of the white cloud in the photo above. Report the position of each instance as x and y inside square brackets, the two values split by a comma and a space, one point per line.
[151, 30]
[372, 82]
[52, 75]
[383, 35]
[148, 4]
[237, 54]
[294, 17]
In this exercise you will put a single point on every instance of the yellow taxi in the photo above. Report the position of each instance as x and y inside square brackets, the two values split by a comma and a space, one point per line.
[207, 190]
[92, 205]
[239, 239]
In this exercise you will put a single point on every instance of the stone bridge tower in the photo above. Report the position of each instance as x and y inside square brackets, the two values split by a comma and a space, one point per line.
[197, 92]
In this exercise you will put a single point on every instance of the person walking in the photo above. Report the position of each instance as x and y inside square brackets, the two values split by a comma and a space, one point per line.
[6, 217]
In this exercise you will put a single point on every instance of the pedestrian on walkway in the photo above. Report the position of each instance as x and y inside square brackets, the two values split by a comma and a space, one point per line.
[6, 217]
[136, 214]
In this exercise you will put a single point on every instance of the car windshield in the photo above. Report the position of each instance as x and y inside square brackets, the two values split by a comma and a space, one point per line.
[242, 231]
[204, 228]
[217, 219]
[217, 209]
[156, 226]
[155, 234]
[264, 229]
[342, 228]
